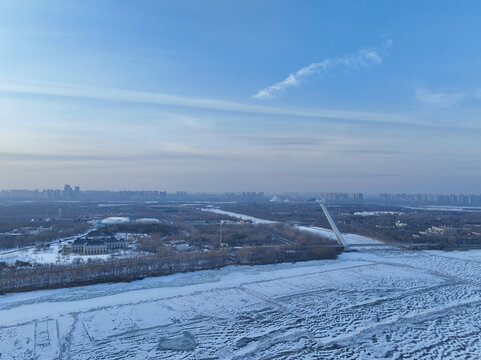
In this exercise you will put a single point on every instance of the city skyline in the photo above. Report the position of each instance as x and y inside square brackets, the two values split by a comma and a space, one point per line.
[76, 194]
[273, 96]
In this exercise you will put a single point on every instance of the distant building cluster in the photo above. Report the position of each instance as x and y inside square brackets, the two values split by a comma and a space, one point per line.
[333, 196]
[357, 196]
[70, 193]
[75, 194]
[455, 199]
[97, 245]
[230, 196]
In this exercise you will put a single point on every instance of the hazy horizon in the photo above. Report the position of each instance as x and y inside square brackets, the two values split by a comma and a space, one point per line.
[215, 96]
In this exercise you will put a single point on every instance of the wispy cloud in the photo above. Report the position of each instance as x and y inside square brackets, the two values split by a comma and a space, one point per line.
[362, 58]
[139, 97]
[16, 157]
[443, 99]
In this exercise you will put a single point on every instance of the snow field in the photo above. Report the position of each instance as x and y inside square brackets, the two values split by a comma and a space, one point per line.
[375, 303]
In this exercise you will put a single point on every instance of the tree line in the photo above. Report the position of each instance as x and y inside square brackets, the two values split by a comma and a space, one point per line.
[27, 278]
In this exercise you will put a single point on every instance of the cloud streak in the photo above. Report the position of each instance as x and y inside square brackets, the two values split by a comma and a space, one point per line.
[140, 97]
[362, 58]
[442, 99]
[177, 156]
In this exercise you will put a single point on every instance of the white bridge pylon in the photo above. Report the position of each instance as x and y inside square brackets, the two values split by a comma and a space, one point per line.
[340, 238]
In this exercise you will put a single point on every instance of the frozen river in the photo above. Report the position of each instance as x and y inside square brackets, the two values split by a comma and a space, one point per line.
[375, 303]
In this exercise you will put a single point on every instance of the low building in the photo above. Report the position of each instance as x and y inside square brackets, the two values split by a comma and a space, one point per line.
[97, 245]
[113, 243]
[78, 245]
[180, 245]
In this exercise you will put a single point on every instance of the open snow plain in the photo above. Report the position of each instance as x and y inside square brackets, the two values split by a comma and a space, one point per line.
[376, 303]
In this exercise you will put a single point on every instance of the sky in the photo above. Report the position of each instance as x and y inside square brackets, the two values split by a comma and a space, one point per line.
[274, 96]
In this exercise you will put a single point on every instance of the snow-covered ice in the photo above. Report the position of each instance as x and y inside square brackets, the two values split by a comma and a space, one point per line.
[376, 213]
[376, 303]
[444, 208]
[351, 239]
[252, 219]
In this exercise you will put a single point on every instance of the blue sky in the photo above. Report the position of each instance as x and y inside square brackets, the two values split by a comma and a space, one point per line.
[371, 96]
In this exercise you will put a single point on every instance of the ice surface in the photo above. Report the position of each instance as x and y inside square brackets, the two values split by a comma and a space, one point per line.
[351, 239]
[376, 303]
[444, 208]
[254, 220]
[376, 213]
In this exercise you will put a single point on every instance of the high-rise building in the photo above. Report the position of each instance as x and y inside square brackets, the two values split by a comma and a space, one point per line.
[67, 192]
[358, 196]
